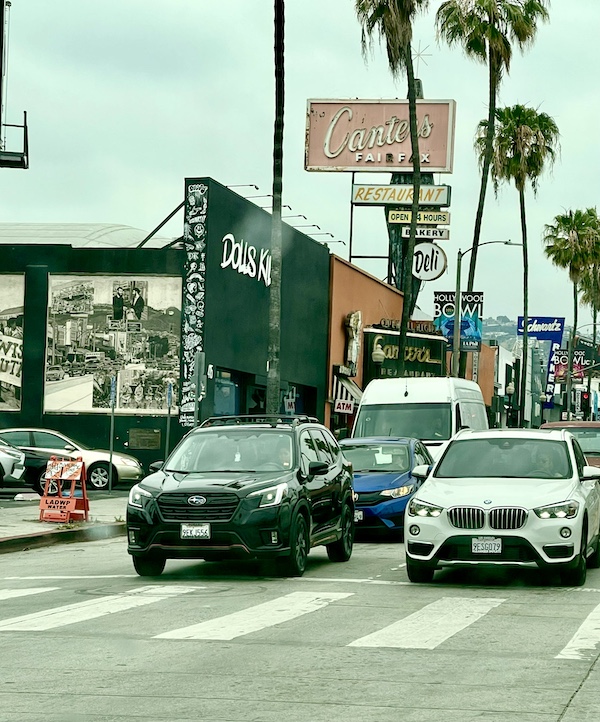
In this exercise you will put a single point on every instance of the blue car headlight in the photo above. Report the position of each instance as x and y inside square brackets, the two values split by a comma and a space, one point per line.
[399, 491]
[422, 508]
[138, 497]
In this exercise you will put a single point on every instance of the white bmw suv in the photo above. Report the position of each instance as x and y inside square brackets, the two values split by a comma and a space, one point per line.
[506, 497]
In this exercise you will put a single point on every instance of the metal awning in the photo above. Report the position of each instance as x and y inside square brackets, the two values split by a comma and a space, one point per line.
[344, 389]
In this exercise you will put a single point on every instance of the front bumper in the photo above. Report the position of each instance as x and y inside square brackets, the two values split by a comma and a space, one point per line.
[388, 514]
[249, 533]
[538, 543]
[126, 472]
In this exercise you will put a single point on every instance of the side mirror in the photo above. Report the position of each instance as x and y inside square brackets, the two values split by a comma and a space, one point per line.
[69, 447]
[156, 466]
[421, 471]
[591, 472]
[317, 468]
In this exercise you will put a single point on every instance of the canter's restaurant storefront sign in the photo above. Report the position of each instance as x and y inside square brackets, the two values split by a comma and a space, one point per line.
[423, 355]
[374, 135]
[401, 195]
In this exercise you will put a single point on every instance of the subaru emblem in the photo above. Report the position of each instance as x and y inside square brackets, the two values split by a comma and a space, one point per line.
[196, 500]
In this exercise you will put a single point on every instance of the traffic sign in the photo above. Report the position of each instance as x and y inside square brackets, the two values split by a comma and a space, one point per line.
[429, 232]
[423, 217]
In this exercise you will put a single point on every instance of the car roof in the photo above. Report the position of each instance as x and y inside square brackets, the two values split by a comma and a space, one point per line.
[359, 440]
[573, 423]
[554, 434]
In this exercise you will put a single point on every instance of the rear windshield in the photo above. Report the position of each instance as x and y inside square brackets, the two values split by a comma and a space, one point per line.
[497, 457]
[378, 457]
[421, 421]
[588, 438]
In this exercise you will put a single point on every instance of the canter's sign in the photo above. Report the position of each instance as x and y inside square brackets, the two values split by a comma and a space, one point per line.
[399, 195]
[424, 217]
[437, 234]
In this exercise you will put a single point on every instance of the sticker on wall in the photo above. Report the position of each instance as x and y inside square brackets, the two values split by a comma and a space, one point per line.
[12, 299]
[104, 327]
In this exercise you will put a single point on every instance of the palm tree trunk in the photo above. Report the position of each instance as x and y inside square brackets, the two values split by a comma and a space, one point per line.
[407, 278]
[274, 337]
[485, 172]
[523, 385]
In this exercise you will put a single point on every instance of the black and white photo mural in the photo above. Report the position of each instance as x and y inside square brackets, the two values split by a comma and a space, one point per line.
[112, 338]
[12, 298]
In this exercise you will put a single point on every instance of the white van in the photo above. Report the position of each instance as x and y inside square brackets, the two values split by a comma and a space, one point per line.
[428, 408]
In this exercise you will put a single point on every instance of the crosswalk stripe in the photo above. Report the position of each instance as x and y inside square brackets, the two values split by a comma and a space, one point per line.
[258, 617]
[431, 625]
[12, 593]
[91, 609]
[584, 642]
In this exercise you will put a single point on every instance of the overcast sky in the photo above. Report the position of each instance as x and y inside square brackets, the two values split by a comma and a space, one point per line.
[126, 98]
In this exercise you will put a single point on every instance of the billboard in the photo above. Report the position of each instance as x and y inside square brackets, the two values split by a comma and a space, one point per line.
[12, 299]
[471, 321]
[100, 328]
[374, 135]
[546, 328]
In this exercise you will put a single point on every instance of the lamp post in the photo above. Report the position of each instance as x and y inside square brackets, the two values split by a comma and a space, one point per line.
[378, 357]
[510, 390]
[457, 303]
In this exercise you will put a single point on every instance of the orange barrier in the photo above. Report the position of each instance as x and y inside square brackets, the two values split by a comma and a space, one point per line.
[59, 503]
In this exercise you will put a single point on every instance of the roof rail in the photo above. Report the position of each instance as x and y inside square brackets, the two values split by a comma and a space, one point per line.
[270, 419]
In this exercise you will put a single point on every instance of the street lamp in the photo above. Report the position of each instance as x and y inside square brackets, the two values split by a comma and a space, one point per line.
[458, 306]
[378, 357]
[510, 390]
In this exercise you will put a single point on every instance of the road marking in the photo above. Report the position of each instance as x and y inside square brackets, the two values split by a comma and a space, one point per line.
[91, 609]
[258, 617]
[431, 625]
[349, 581]
[12, 593]
[72, 576]
[584, 642]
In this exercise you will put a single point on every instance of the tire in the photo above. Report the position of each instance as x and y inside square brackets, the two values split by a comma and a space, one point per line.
[98, 476]
[149, 565]
[40, 485]
[295, 564]
[418, 573]
[341, 550]
[576, 576]
[593, 561]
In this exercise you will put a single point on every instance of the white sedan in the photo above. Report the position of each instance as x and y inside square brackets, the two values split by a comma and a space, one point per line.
[506, 497]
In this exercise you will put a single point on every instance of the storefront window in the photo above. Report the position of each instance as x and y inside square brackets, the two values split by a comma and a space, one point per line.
[227, 394]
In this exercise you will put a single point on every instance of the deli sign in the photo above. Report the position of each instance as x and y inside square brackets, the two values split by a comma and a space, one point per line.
[374, 135]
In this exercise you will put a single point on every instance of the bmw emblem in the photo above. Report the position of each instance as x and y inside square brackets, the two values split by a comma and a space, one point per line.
[196, 500]
[487, 501]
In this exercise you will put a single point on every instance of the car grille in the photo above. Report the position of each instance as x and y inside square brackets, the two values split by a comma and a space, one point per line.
[369, 498]
[472, 517]
[218, 507]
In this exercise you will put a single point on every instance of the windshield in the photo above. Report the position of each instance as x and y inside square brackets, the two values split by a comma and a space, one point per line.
[377, 457]
[228, 449]
[485, 458]
[421, 421]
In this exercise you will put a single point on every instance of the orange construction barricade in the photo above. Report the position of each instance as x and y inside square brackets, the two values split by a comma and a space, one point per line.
[65, 496]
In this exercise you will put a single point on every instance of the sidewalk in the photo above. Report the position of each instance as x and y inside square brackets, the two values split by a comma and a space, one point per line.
[21, 529]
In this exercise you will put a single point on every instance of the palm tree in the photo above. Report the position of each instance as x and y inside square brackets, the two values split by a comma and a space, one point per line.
[525, 143]
[485, 30]
[273, 372]
[572, 243]
[392, 21]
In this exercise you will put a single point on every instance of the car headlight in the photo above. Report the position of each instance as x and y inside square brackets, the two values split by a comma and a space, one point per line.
[129, 462]
[422, 508]
[138, 497]
[271, 496]
[565, 510]
[399, 491]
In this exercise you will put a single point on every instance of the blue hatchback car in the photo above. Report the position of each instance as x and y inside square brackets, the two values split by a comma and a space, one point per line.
[383, 482]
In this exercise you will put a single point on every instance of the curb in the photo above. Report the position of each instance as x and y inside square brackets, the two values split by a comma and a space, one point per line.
[93, 532]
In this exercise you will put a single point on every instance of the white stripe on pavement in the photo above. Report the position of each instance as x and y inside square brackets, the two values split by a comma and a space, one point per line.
[73, 576]
[584, 642]
[91, 609]
[12, 593]
[430, 626]
[258, 617]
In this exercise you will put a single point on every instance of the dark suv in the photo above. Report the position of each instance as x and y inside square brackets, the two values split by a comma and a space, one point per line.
[245, 487]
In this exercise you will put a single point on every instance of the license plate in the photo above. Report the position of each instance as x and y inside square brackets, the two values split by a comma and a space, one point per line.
[486, 545]
[359, 515]
[195, 531]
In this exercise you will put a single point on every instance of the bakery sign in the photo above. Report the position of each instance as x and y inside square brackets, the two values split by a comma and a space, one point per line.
[374, 135]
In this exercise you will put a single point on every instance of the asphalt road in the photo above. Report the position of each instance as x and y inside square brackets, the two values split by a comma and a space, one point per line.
[84, 638]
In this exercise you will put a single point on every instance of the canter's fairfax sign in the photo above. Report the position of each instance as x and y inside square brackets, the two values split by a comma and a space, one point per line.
[400, 195]
[423, 217]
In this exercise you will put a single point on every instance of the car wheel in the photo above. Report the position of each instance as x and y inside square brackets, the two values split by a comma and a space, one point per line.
[97, 476]
[295, 564]
[341, 550]
[149, 565]
[575, 576]
[593, 561]
[40, 485]
[418, 573]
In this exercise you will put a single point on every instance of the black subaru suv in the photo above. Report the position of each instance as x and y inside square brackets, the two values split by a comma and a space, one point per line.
[254, 487]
